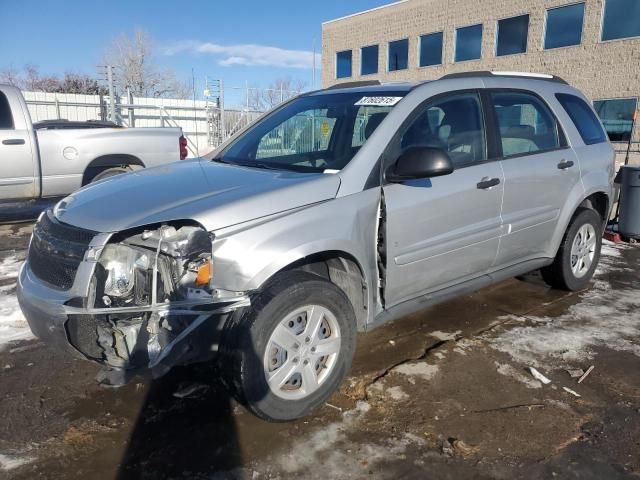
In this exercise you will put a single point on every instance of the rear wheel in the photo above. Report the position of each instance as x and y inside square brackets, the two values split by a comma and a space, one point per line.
[109, 172]
[291, 350]
[579, 253]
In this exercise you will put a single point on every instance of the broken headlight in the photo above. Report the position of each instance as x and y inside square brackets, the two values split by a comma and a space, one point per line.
[121, 264]
[155, 266]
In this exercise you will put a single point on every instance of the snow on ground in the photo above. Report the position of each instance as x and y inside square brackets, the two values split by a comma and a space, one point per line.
[603, 316]
[13, 325]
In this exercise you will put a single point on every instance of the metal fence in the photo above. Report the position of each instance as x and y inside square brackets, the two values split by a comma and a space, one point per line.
[204, 124]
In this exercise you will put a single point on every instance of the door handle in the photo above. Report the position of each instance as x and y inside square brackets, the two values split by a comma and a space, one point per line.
[563, 165]
[486, 183]
[13, 141]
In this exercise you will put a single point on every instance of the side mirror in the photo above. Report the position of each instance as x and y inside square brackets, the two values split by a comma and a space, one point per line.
[420, 162]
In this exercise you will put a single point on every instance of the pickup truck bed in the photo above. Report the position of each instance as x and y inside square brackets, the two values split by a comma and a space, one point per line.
[55, 158]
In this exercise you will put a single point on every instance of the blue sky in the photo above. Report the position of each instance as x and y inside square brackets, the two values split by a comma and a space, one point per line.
[210, 36]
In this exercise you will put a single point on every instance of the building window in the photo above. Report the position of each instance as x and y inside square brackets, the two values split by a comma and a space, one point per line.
[431, 49]
[369, 60]
[343, 64]
[621, 19]
[399, 55]
[512, 35]
[617, 117]
[564, 26]
[468, 43]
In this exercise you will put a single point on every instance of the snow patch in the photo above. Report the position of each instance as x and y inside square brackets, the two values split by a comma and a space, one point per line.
[444, 336]
[9, 462]
[510, 371]
[418, 369]
[13, 326]
[604, 317]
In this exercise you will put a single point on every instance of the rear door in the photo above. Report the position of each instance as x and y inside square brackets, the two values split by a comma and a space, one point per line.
[18, 174]
[444, 230]
[539, 169]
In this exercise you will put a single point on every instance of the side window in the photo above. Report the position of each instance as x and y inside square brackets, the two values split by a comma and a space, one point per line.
[583, 118]
[307, 132]
[525, 124]
[454, 124]
[6, 120]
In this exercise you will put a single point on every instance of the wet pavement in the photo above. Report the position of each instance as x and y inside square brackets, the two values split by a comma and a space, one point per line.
[443, 394]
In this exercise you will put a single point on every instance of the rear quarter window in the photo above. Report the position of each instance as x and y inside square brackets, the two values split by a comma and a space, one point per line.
[583, 117]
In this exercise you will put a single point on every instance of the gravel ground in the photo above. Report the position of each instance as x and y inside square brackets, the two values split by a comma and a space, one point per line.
[443, 394]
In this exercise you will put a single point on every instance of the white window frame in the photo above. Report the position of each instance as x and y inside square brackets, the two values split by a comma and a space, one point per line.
[600, 39]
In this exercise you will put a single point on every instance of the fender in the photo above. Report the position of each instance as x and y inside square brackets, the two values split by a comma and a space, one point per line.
[245, 258]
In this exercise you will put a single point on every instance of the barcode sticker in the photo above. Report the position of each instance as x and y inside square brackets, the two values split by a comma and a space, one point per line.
[377, 101]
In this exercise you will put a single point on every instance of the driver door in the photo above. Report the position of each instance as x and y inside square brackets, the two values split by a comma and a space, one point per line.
[444, 230]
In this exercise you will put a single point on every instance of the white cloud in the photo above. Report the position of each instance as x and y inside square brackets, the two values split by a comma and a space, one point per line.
[248, 55]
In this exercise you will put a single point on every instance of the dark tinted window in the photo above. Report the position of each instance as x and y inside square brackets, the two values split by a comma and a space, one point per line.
[621, 19]
[369, 60]
[583, 118]
[617, 117]
[431, 49]
[564, 26]
[525, 124]
[6, 120]
[343, 64]
[453, 124]
[512, 35]
[398, 55]
[468, 43]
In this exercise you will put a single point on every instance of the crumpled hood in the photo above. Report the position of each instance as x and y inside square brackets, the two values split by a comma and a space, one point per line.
[214, 194]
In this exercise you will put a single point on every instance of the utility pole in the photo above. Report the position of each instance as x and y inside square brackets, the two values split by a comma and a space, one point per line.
[112, 100]
[106, 72]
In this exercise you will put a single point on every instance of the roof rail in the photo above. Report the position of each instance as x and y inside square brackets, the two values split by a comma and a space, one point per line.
[486, 74]
[363, 83]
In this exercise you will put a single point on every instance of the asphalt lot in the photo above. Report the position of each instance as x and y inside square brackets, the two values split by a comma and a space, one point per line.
[444, 394]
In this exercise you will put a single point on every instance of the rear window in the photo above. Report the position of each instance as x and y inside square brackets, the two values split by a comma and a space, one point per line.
[583, 118]
[6, 120]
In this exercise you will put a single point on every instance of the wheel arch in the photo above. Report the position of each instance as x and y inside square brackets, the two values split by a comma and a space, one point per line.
[104, 162]
[340, 267]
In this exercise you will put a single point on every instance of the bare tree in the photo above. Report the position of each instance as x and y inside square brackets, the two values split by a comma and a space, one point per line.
[31, 79]
[281, 89]
[133, 57]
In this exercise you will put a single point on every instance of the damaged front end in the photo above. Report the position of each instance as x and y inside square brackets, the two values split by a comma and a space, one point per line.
[150, 304]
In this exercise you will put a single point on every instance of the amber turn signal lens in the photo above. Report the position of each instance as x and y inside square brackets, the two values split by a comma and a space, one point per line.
[205, 272]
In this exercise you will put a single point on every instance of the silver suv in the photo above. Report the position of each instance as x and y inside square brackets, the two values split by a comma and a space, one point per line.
[338, 211]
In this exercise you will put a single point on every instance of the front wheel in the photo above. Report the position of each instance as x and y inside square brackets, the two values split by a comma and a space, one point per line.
[579, 253]
[292, 349]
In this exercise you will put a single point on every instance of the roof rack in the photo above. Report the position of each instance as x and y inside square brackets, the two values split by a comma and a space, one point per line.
[363, 83]
[487, 74]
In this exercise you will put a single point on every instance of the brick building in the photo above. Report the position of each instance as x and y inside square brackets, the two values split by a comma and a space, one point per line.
[593, 44]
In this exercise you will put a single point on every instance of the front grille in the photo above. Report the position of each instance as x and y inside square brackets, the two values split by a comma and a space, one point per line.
[57, 250]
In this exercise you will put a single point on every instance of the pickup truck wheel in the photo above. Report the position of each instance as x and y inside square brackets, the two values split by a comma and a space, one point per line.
[109, 172]
[579, 253]
[292, 349]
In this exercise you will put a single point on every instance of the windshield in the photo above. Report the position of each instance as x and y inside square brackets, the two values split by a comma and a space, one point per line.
[313, 133]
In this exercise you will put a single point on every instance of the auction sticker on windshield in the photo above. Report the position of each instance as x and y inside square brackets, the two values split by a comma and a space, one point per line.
[377, 101]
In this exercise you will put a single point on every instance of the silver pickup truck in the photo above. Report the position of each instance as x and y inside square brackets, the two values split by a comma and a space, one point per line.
[53, 159]
[338, 211]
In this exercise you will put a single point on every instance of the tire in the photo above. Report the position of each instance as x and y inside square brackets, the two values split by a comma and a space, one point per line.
[249, 352]
[109, 172]
[565, 273]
